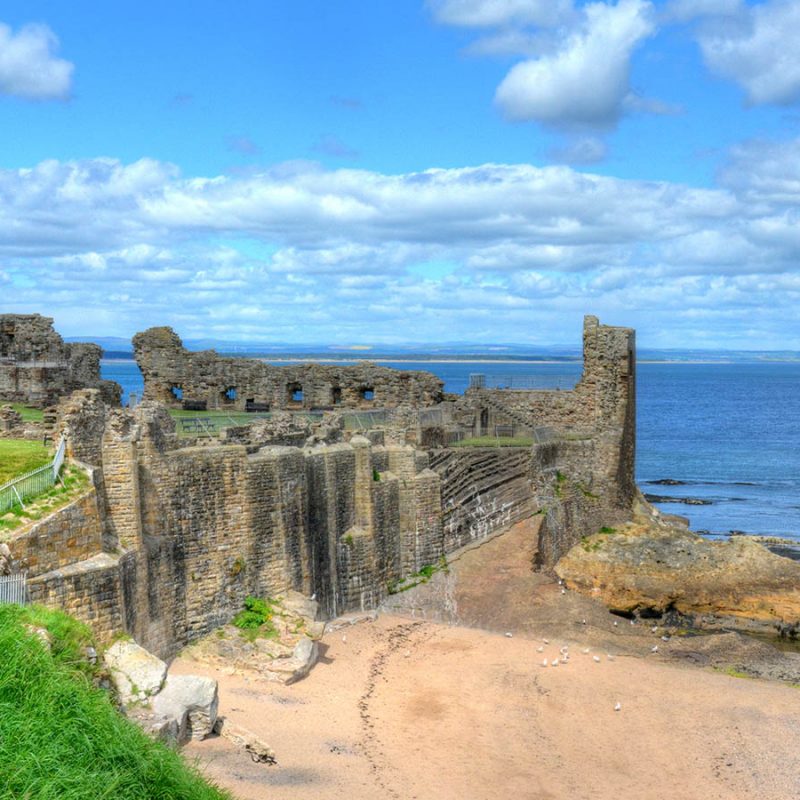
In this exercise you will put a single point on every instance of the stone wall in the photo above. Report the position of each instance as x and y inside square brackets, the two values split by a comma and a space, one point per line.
[185, 533]
[37, 367]
[71, 534]
[174, 376]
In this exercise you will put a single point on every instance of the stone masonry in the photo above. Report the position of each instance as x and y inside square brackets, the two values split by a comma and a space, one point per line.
[175, 533]
[38, 368]
[176, 376]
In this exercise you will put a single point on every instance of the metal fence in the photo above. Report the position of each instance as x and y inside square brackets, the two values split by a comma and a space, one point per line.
[563, 382]
[364, 420]
[14, 588]
[32, 483]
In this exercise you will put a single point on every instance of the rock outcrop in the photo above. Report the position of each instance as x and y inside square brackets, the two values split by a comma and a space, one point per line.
[653, 566]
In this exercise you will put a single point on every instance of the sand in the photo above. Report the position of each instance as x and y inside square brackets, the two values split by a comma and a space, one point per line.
[408, 708]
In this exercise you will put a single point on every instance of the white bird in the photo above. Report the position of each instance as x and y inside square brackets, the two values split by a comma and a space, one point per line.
[544, 663]
[615, 623]
[654, 629]
[654, 648]
[609, 656]
[344, 638]
[509, 634]
[583, 622]
[618, 707]
[665, 638]
[596, 658]
[540, 649]
[546, 641]
[563, 591]
[633, 622]
[585, 651]
[314, 596]
[554, 662]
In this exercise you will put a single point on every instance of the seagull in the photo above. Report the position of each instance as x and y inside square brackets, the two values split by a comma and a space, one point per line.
[583, 622]
[314, 596]
[509, 634]
[609, 656]
[654, 648]
[540, 649]
[554, 662]
[563, 591]
[618, 707]
[596, 658]
[654, 629]
[344, 638]
[544, 663]
[615, 623]
[546, 641]
[665, 638]
[585, 651]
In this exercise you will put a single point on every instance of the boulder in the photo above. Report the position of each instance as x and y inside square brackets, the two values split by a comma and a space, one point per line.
[136, 674]
[192, 702]
[258, 749]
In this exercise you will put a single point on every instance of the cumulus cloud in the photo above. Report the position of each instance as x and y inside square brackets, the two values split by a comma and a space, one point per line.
[299, 253]
[759, 52]
[29, 67]
[586, 80]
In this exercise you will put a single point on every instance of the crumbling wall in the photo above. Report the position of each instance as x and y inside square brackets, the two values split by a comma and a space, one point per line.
[37, 367]
[186, 533]
[175, 376]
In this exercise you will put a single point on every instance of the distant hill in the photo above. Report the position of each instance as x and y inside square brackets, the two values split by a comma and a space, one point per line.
[118, 347]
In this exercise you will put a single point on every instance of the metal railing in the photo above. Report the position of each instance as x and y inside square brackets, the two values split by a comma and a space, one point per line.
[32, 483]
[14, 588]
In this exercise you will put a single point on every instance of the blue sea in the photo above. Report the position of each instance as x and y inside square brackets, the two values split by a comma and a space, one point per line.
[729, 432]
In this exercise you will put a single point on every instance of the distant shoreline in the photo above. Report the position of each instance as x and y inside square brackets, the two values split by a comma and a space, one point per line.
[456, 360]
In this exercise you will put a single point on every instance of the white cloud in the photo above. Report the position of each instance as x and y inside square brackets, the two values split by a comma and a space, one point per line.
[299, 253]
[586, 80]
[29, 67]
[760, 53]
[499, 13]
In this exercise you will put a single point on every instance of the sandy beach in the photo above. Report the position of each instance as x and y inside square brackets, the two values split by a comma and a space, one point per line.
[402, 707]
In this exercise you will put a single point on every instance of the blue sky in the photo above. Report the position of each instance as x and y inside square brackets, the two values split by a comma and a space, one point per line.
[359, 172]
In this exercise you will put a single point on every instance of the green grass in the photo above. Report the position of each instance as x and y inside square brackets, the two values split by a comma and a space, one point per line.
[255, 620]
[423, 576]
[74, 482]
[495, 441]
[61, 738]
[28, 414]
[18, 456]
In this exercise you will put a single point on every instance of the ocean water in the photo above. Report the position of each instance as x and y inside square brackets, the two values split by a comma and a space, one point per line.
[730, 433]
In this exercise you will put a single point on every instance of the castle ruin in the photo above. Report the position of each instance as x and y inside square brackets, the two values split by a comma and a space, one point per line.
[37, 367]
[176, 532]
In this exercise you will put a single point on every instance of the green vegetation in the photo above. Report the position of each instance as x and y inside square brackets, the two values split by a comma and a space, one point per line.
[423, 576]
[495, 441]
[27, 413]
[733, 672]
[348, 539]
[255, 621]
[376, 476]
[18, 456]
[606, 529]
[61, 738]
[74, 482]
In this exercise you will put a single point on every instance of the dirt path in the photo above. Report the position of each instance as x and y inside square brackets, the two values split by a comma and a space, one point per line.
[406, 708]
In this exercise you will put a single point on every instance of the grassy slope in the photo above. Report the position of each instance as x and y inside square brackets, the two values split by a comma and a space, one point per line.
[61, 739]
[28, 414]
[18, 456]
[495, 441]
